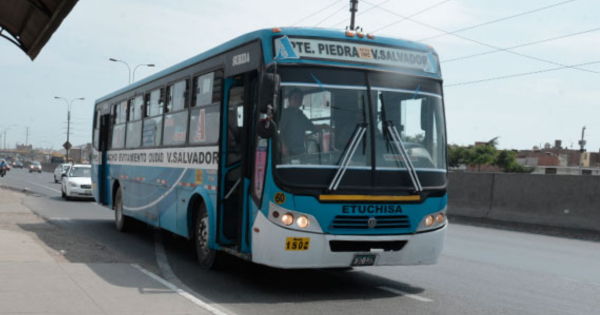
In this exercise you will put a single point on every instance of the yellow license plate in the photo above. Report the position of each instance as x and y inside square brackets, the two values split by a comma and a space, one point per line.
[297, 243]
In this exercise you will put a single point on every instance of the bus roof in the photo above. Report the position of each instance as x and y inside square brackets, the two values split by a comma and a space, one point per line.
[264, 34]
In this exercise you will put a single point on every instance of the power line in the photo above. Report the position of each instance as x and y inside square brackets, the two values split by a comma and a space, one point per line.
[332, 14]
[499, 20]
[522, 45]
[363, 12]
[487, 45]
[317, 12]
[521, 74]
[407, 17]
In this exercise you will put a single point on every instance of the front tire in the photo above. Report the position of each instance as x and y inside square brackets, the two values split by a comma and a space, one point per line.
[55, 180]
[122, 222]
[207, 258]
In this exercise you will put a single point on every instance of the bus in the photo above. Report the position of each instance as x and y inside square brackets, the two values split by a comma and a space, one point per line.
[287, 147]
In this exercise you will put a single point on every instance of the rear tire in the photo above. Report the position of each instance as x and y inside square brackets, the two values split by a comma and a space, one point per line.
[122, 222]
[55, 180]
[207, 258]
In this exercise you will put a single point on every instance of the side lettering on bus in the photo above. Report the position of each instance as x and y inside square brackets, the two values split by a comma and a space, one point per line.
[193, 157]
[371, 209]
[240, 59]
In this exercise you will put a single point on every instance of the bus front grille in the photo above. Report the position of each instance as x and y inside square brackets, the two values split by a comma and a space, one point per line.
[362, 222]
[366, 246]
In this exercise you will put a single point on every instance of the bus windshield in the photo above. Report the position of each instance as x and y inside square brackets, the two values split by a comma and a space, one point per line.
[330, 119]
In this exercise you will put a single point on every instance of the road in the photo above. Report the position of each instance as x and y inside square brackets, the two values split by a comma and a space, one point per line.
[481, 271]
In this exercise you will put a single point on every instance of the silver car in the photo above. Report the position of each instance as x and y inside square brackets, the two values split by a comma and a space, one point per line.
[35, 166]
[60, 171]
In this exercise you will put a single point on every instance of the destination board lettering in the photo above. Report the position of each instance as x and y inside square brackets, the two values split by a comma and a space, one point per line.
[359, 52]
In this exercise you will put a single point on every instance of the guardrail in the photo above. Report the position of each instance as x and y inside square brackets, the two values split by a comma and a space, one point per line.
[556, 201]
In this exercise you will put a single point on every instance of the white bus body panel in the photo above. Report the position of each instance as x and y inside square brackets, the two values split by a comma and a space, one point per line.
[268, 248]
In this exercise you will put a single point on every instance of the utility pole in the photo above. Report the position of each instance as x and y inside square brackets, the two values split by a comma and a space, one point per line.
[69, 104]
[27, 136]
[353, 10]
[581, 150]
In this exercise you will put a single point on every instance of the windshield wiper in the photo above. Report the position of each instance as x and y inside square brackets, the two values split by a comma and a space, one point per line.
[392, 132]
[357, 135]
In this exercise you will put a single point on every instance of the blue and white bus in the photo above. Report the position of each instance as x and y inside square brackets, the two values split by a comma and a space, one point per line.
[288, 147]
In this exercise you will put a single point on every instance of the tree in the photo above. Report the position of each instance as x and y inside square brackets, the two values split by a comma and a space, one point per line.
[481, 155]
[507, 162]
[456, 155]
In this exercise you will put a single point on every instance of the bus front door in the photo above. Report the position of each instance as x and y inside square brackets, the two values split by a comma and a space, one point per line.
[103, 182]
[233, 183]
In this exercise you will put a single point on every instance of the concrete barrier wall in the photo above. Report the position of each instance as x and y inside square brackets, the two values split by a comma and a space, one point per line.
[550, 200]
[49, 167]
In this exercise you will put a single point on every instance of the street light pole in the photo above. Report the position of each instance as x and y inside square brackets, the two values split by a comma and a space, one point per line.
[69, 104]
[128, 68]
[4, 132]
[144, 64]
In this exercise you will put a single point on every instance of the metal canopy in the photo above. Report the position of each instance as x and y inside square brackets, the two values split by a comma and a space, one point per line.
[29, 24]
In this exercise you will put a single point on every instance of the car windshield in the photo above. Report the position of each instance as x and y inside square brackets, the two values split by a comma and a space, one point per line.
[36, 163]
[81, 172]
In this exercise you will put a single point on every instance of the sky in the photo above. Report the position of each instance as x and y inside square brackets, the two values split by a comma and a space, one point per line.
[509, 92]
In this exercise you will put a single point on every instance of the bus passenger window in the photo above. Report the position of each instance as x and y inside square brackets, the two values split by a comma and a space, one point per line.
[118, 130]
[206, 106]
[152, 130]
[175, 128]
[176, 96]
[134, 125]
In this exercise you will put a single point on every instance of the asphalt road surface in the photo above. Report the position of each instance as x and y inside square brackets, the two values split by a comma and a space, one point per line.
[481, 271]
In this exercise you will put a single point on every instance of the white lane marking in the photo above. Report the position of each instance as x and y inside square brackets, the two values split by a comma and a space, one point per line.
[406, 294]
[58, 191]
[179, 291]
[167, 272]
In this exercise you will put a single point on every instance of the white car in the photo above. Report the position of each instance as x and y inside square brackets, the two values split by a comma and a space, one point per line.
[77, 183]
[61, 170]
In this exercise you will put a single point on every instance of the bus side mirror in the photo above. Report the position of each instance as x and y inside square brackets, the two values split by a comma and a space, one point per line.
[269, 88]
[266, 128]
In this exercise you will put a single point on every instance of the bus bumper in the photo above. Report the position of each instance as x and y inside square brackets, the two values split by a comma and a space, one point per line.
[269, 248]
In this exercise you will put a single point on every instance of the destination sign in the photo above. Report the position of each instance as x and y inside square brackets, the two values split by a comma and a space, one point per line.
[296, 48]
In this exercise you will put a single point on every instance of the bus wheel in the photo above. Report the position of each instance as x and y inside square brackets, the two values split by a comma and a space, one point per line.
[206, 257]
[121, 221]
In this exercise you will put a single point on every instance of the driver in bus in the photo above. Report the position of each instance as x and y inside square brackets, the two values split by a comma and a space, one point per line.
[294, 124]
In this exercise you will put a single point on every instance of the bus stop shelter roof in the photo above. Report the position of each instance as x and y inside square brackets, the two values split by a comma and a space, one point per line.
[29, 24]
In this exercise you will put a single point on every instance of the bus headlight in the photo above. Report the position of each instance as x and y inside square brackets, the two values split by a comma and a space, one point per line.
[429, 221]
[293, 220]
[303, 222]
[287, 219]
[433, 221]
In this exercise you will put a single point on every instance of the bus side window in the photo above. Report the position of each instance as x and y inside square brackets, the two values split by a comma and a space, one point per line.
[206, 105]
[118, 128]
[152, 130]
[96, 129]
[134, 125]
[176, 119]
[235, 122]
